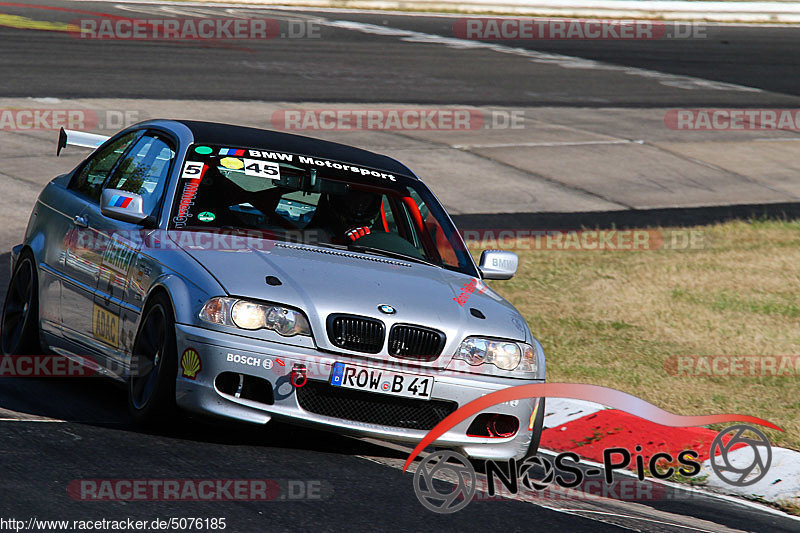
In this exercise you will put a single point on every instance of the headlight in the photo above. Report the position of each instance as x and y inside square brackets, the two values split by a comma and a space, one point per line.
[518, 357]
[251, 315]
[248, 315]
[287, 322]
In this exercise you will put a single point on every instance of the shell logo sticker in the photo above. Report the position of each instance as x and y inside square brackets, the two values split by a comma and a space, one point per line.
[190, 363]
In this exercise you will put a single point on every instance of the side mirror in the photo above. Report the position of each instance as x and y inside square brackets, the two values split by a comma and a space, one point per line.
[122, 205]
[498, 264]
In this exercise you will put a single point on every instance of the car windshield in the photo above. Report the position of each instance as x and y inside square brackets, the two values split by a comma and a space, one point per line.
[315, 201]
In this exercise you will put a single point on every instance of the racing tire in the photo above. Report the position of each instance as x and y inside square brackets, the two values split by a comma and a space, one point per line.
[19, 325]
[154, 365]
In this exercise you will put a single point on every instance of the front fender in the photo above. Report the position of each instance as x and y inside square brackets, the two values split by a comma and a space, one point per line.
[15, 251]
[186, 298]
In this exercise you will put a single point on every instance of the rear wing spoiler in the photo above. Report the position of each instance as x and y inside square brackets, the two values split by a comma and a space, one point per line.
[79, 138]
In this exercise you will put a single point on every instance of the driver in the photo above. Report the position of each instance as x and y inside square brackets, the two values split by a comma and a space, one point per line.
[350, 216]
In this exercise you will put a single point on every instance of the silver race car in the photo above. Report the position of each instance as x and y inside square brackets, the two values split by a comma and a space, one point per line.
[252, 275]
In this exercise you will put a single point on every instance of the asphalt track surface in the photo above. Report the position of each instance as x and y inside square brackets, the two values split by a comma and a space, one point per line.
[90, 435]
[354, 66]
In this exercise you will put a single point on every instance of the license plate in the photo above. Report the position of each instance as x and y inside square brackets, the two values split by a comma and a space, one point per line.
[382, 381]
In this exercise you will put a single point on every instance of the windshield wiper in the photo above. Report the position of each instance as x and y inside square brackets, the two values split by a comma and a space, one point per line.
[387, 253]
[328, 245]
[375, 251]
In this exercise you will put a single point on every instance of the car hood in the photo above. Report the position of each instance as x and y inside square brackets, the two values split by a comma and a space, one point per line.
[321, 281]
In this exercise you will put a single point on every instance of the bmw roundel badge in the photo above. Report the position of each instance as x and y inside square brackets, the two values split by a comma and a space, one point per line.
[387, 309]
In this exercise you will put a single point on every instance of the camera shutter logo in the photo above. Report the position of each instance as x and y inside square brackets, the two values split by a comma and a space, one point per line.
[737, 474]
[531, 465]
[461, 473]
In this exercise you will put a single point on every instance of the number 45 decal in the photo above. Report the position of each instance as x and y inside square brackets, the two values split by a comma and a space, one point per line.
[262, 169]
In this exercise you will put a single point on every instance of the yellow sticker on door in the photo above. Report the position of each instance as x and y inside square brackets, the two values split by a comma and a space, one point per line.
[105, 326]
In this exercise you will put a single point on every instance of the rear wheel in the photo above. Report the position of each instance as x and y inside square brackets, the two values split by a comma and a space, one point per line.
[154, 365]
[19, 325]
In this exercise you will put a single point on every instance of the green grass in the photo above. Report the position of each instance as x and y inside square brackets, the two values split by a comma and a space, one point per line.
[615, 318]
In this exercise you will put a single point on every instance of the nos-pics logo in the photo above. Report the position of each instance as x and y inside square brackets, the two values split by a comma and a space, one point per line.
[446, 481]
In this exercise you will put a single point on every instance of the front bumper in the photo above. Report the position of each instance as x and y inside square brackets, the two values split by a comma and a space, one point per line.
[262, 359]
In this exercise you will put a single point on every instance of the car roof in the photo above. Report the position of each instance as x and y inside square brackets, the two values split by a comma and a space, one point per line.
[228, 134]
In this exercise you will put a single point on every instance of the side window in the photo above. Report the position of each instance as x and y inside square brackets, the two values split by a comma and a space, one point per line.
[145, 170]
[423, 209]
[89, 179]
[413, 209]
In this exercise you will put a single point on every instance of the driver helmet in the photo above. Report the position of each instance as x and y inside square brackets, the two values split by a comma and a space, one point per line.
[356, 208]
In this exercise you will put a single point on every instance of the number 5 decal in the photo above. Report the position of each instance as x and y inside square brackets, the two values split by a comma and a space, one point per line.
[192, 169]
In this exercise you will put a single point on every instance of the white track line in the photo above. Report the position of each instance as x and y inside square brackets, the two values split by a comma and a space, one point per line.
[564, 61]
[546, 145]
[254, 4]
[32, 420]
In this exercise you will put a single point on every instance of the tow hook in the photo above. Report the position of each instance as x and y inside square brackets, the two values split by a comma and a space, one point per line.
[298, 376]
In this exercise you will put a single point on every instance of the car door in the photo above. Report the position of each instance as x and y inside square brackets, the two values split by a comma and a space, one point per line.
[144, 170]
[83, 248]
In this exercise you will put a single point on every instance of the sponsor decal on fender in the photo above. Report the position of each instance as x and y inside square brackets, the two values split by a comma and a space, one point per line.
[193, 171]
[248, 360]
[190, 363]
[105, 326]
[119, 254]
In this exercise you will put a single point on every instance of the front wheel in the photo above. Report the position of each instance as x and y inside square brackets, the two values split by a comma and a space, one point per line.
[154, 365]
[19, 325]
